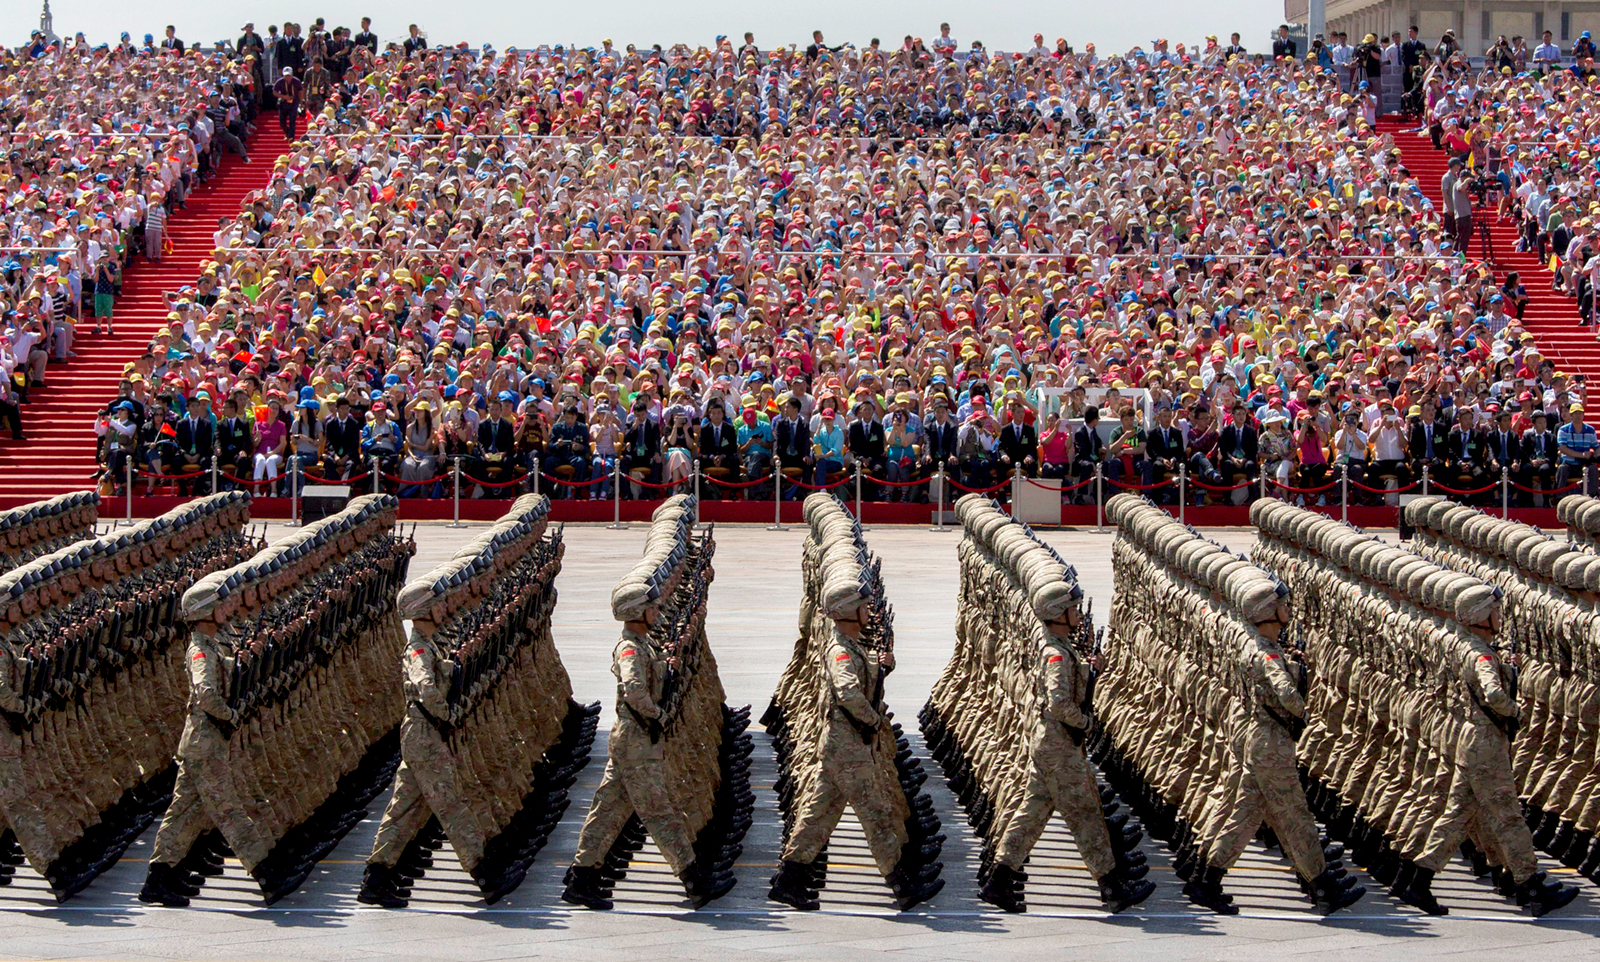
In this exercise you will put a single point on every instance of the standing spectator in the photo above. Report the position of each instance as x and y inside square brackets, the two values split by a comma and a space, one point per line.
[605, 440]
[1584, 49]
[1411, 54]
[1311, 453]
[105, 291]
[1350, 446]
[1283, 45]
[171, 43]
[415, 41]
[287, 94]
[755, 442]
[10, 406]
[791, 439]
[1457, 211]
[1429, 446]
[366, 38]
[155, 227]
[1128, 454]
[1546, 56]
[1019, 442]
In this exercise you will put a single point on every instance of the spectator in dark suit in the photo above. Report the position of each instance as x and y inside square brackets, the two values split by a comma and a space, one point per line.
[1505, 447]
[569, 445]
[1238, 446]
[1019, 442]
[1165, 453]
[1088, 452]
[494, 454]
[235, 444]
[719, 445]
[195, 447]
[641, 446]
[1467, 452]
[1539, 458]
[1429, 443]
[791, 441]
[941, 435]
[866, 443]
[344, 442]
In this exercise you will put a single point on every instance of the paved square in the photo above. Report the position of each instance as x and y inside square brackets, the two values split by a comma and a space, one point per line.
[752, 624]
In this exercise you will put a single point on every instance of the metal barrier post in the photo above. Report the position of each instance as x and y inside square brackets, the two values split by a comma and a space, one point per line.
[1344, 493]
[777, 495]
[1099, 498]
[128, 488]
[456, 496]
[377, 478]
[697, 493]
[294, 492]
[1183, 491]
[214, 469]
[616, 497]
[537, 473]
[938, 500]
[1505, 492]
[1263, 480]
[858, 494]
[1424, 480]
[1016, 488]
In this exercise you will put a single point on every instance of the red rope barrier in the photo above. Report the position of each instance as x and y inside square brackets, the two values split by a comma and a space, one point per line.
[1490, 487]
[390, 477]
[989, 490]
[1409, 487]
[1571, 487]
[894, 484]
[1130, 486]
[516, 480]
[1066, 487]
[350, 480]
[196, 473]
[1219, 487]
[735, 484]
[1279, 484]
[565, 484]
[650, 484]
[820, 487]
[228, 477]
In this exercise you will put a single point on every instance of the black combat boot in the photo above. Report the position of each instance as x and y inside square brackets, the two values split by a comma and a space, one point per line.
[379, 887]
[790, 886]
[913, 888]
[1119, 891]
[156, 891]
[1205, 889]
[1540, 895]
[585, 887]
[1332, 892]
[1003, 889]
[1418, 889]
[703, 885]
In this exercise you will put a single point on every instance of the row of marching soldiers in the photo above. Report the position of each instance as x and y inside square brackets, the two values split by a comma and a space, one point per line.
[1010, 716]
[1201, 701]
[92, 681]
[1412, 702]
[836, 741]
[294, 704]
[679, 756]
[1548, 619]
[492, 738]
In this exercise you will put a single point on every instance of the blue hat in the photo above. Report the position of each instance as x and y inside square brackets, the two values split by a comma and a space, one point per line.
[308, 393]
[309, 403]
[507, 397]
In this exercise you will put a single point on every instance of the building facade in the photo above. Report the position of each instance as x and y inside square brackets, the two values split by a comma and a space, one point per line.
[1476, 22]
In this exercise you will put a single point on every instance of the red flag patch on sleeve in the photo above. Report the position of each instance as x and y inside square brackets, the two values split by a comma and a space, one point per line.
[199, 656]
[417, 653]
[1272, 657]
[1054, 659]
[627, 653]
[841, 656]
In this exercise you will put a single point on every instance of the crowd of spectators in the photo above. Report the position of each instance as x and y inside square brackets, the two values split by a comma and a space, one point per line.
[98, 144]
[569, 264]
